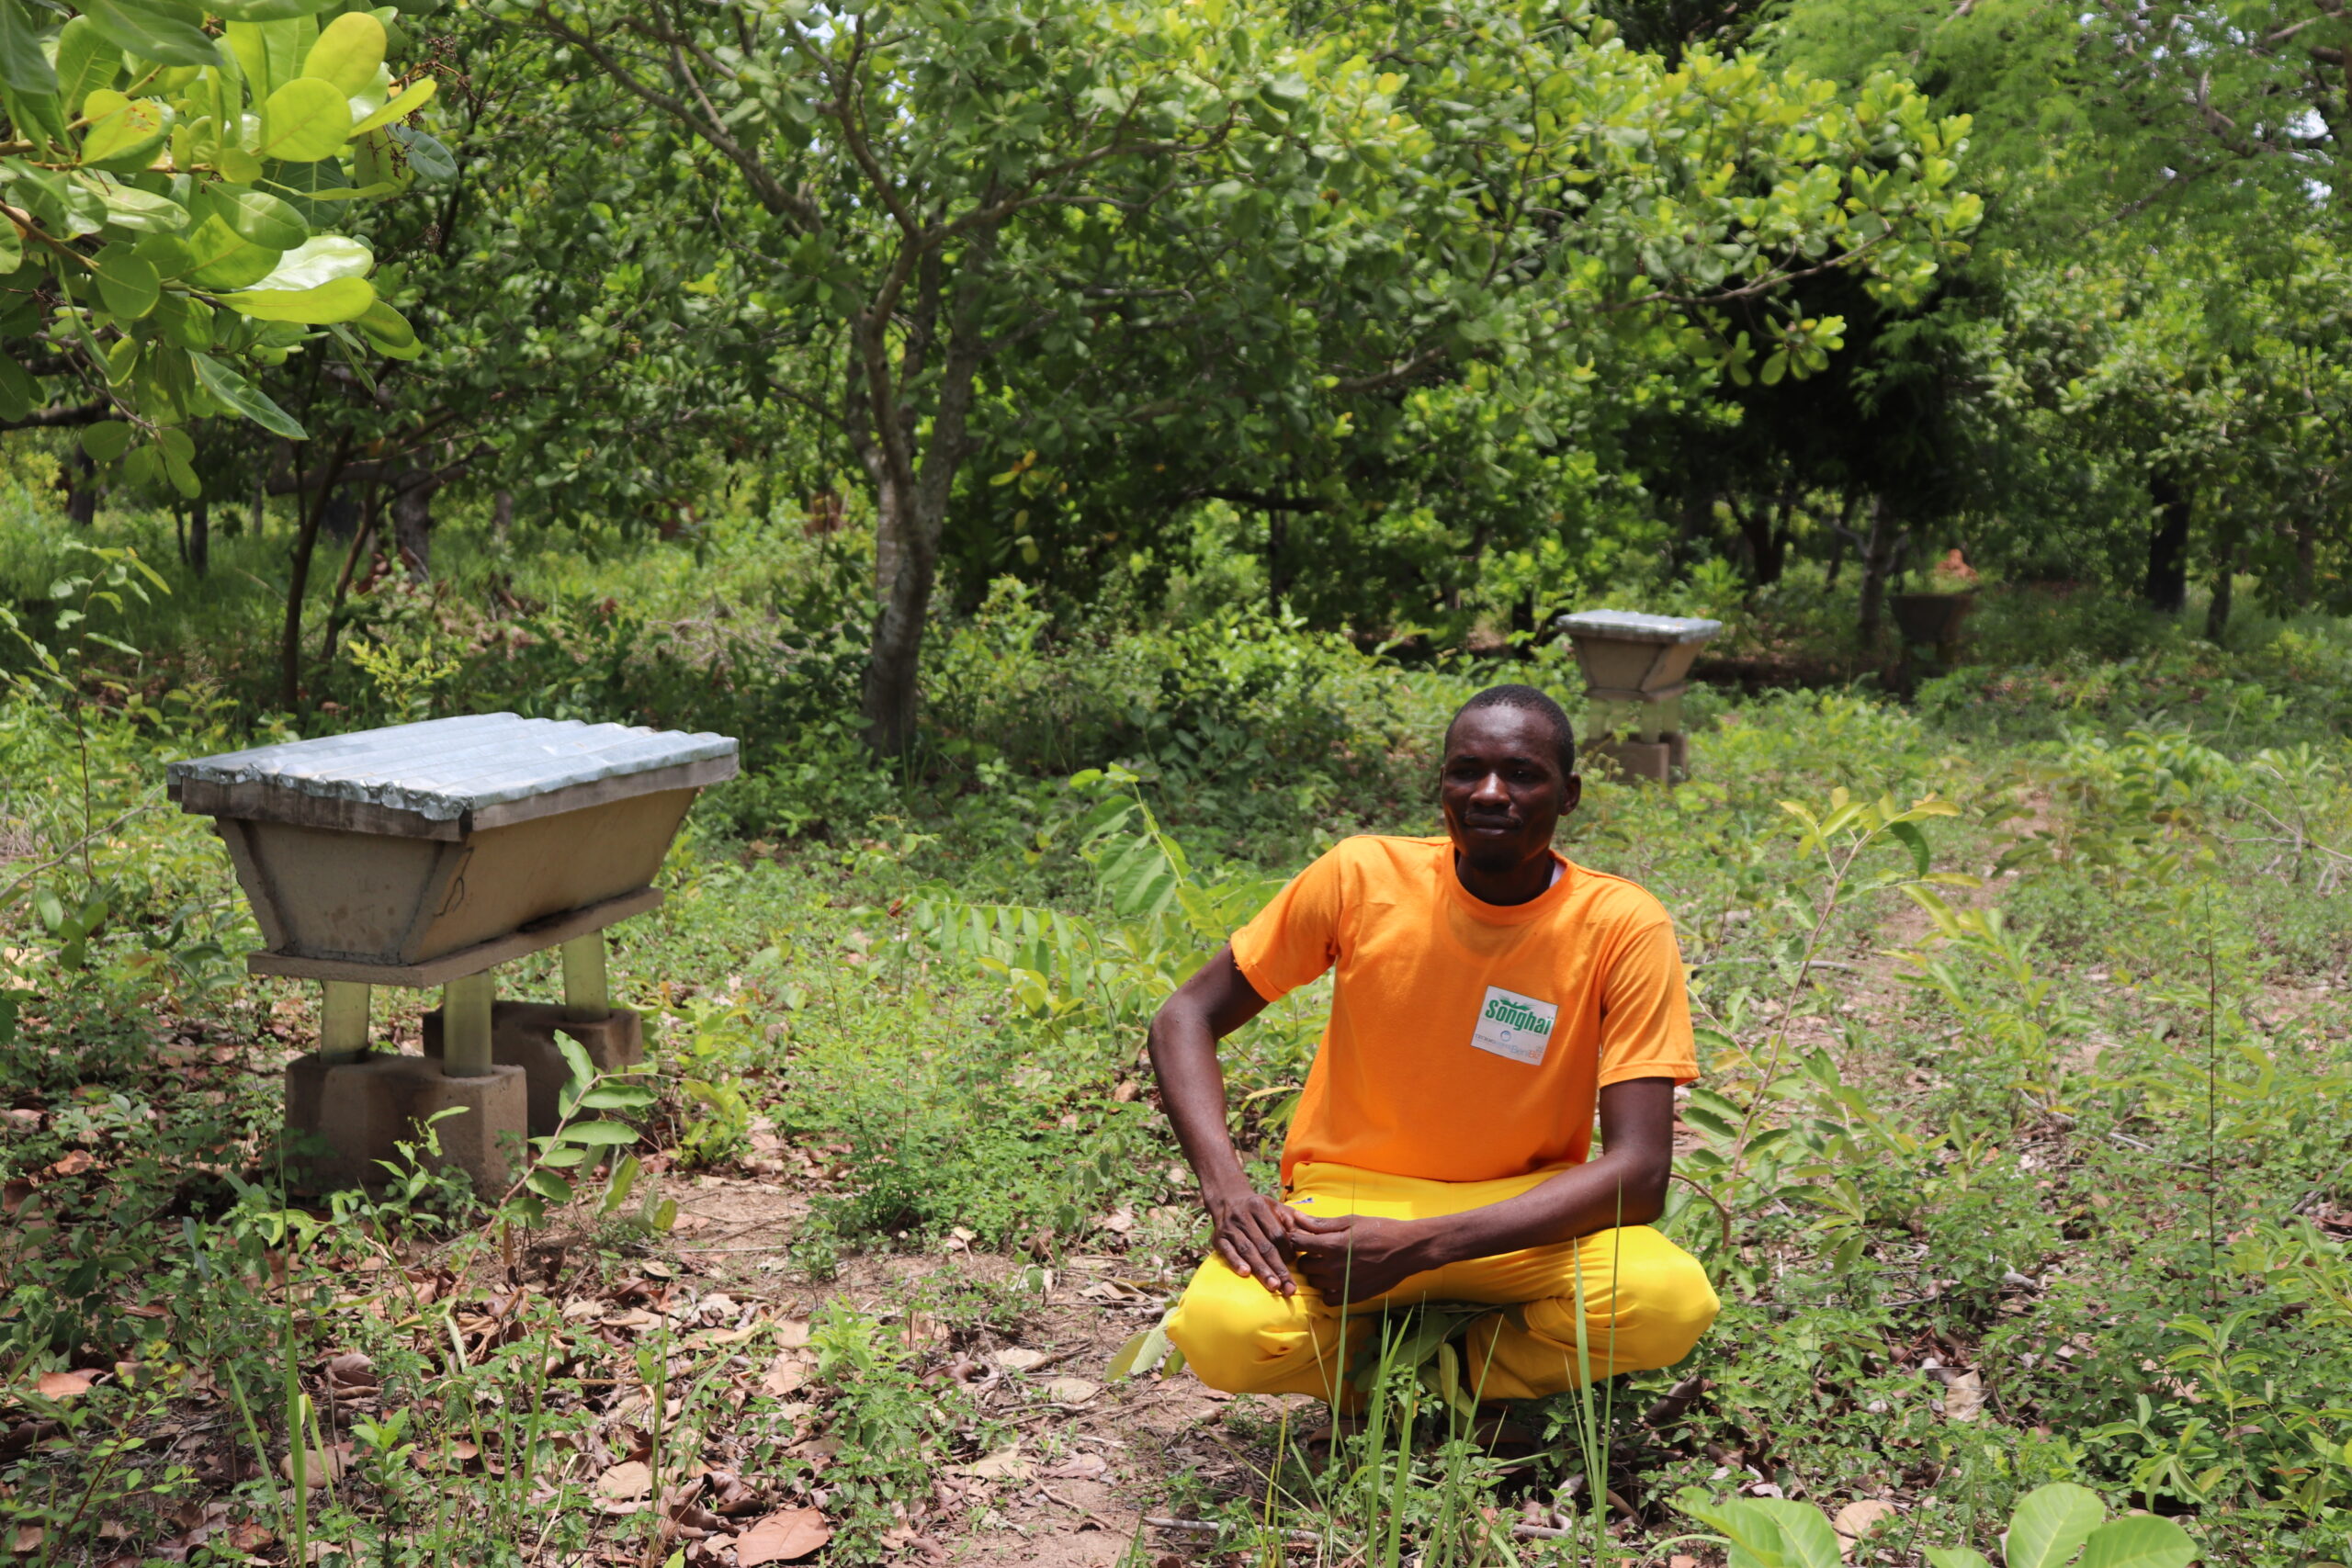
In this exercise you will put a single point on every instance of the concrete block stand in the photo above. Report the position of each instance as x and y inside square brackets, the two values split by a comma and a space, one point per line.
[1636, 669]
[363, 1110]
[522, 1035]
[428, 855]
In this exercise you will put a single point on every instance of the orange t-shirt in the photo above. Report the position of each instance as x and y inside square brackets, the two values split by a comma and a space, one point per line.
[1468, 1041]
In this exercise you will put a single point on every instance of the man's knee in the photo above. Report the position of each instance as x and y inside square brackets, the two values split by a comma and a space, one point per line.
[1236, 1335]
[1665, 1292]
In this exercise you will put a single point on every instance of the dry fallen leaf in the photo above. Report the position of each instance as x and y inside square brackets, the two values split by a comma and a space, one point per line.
[1856, 1519]
[630, 1478]
[1964, 1397]
[1079, 1467]
[786, 1373]
[1020, 1360]
[63, 1385]
[787, 1537]
[319, 1467]
[1005, 1464]
[26, 1540]
[792, 1332]
[1071, 1391]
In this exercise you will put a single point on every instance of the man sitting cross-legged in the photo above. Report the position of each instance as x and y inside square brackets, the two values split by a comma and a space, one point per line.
[1488, 993]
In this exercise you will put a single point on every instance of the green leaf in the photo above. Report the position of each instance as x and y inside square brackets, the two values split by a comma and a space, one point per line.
[564, 1157]
[1956, 1557]
[1915, 842]
[410, 99]
[270, 53]
[2139, 1540]
[126, 284]
[616, 1189]
[1140, 1354]
[575, 1060]
[259, 217]
[17, 393]
[550, 1186]
[267, 10]
[12, 248]
[345, 299]
[219, 258]
[2050, 1525]
[107, 440]
[305, 120]
[349, 51]
[1754, 1534]
[87, 61]
[1806, 1537]
[170, 32]
[616, 1097]
[389, 333]
[433, 163]
[235, 392]
[123, 132]
[141, 211]
[180, 470]
[22, 64]
[601, 1135]
[321, 259]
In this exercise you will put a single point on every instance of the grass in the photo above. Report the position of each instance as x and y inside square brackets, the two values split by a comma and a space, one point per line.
[2040, 1180]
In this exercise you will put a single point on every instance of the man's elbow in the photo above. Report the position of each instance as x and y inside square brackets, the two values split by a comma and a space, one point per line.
[1166, 1025]
[1641, 1196]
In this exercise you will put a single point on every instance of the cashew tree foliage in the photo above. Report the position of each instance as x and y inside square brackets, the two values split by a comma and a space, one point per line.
[1109, 215]
[1426, 372]
[2163, 344]
[172, 178]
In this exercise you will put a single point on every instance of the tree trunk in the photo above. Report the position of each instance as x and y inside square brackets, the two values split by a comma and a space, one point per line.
[1277, 579]
[413, 521]
[2167, 582]
[890, 530]
[81, 500]
[1763, 533]
[502, 514]
[199, 535]
[1880, 548]
[2217, 613]
[894, 665]
[1841, 534]
[306, 539]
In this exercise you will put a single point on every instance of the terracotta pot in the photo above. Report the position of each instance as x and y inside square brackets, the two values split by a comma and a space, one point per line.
[1931, 618]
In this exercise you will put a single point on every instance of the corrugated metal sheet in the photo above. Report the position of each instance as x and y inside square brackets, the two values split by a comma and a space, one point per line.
[1633, 626]
[446, 767]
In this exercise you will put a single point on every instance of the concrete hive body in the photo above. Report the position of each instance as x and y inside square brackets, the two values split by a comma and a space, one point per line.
[1636, 667]
[427, 853]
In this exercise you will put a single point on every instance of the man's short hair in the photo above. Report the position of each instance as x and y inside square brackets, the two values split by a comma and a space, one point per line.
[1528, 699]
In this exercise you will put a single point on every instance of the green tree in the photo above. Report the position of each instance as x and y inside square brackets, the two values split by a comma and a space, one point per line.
[2164, 183]
[163, 185]
[1349, 204]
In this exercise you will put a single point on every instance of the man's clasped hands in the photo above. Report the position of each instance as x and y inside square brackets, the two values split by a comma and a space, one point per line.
[1345, 1256]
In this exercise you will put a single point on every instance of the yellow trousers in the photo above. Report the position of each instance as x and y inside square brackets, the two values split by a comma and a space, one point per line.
[1645, 1301]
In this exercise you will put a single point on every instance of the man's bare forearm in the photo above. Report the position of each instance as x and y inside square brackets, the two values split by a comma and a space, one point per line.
[1211, 1005]
[1574, 1203]
[1625, 1186]
[1192, 1085]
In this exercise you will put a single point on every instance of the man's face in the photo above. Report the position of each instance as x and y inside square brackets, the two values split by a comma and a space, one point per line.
[1501, 787]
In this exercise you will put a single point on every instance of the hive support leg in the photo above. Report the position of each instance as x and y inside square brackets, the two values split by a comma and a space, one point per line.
[465, 1026]
[587, 991]
[343, 1020]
